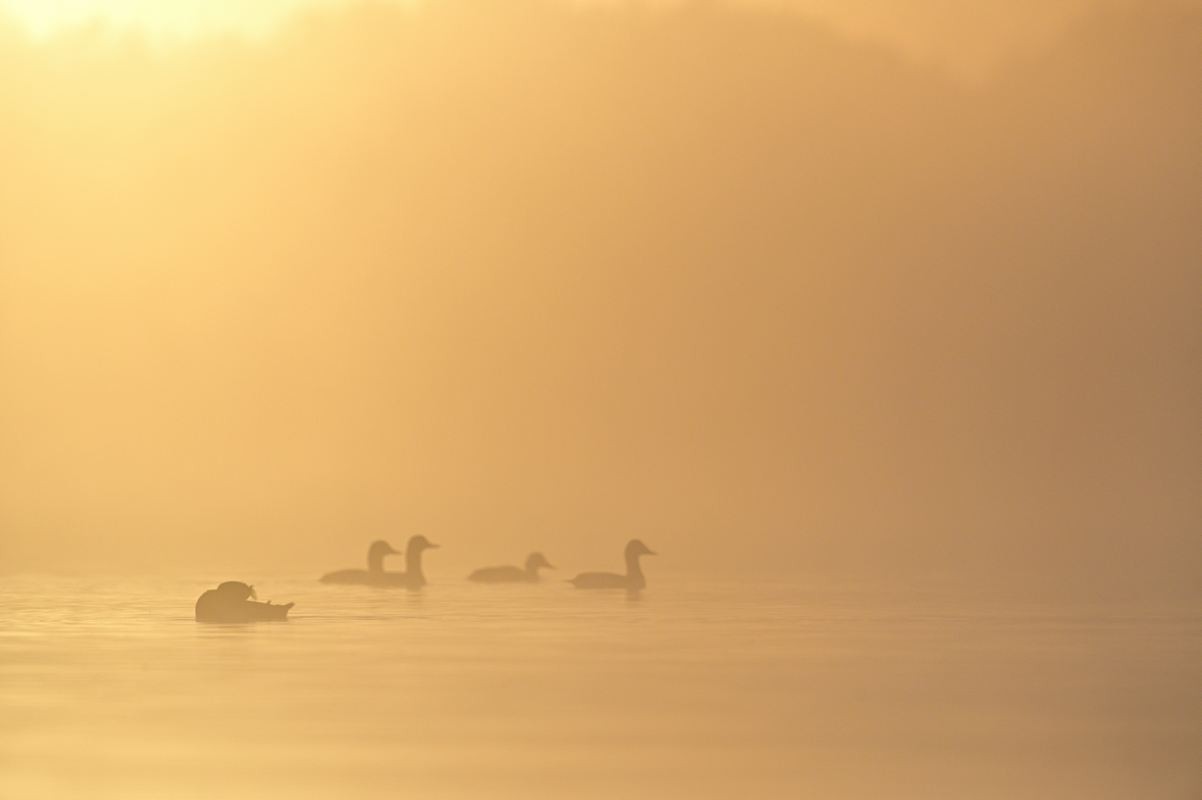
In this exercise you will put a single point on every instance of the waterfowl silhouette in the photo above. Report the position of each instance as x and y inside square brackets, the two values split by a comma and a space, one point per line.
[633, 579]
[230, 602]
[534, 562]
[374, 575]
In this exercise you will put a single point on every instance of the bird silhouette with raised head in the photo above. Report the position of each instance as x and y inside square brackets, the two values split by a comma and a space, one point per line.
[632, 580]
[375, 575]
[232, 602]
[528, 574]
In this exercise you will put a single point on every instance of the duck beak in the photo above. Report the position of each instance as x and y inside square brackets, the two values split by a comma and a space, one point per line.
[650, 552]
[431, 546]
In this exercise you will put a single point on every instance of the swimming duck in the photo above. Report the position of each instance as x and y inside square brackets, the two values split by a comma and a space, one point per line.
[534, 562]
[374, 575]
[633, 579]
[230, 602]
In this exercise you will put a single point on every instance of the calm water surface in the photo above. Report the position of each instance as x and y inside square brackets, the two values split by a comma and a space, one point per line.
[109, 689]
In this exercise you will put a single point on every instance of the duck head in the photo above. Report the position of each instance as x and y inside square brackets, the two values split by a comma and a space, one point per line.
[236, 590]
[636, 548]
[419, 543]
[535, 561]
[376, 553]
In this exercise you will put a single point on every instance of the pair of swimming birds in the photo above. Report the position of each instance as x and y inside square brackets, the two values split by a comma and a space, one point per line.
[234, 601]
[413, 578]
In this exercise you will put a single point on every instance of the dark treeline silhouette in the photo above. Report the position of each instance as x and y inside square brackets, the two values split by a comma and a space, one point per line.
[701, 272]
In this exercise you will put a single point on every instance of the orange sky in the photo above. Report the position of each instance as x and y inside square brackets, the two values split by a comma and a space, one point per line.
[768, 297]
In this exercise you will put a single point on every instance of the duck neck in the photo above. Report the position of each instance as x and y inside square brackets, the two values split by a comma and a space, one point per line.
[413, 565]
[634, 571]
[375, 563]
[532, 570]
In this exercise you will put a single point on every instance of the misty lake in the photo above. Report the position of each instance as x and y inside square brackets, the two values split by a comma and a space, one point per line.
[109, 689]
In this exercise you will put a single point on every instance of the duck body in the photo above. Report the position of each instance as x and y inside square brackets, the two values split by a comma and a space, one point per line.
[508, 574]
[347, 576]
[500, 575]
[230, 602]
[375, 575]
[366, 577]
[607, 580]
[258, 612]
[633, 580]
